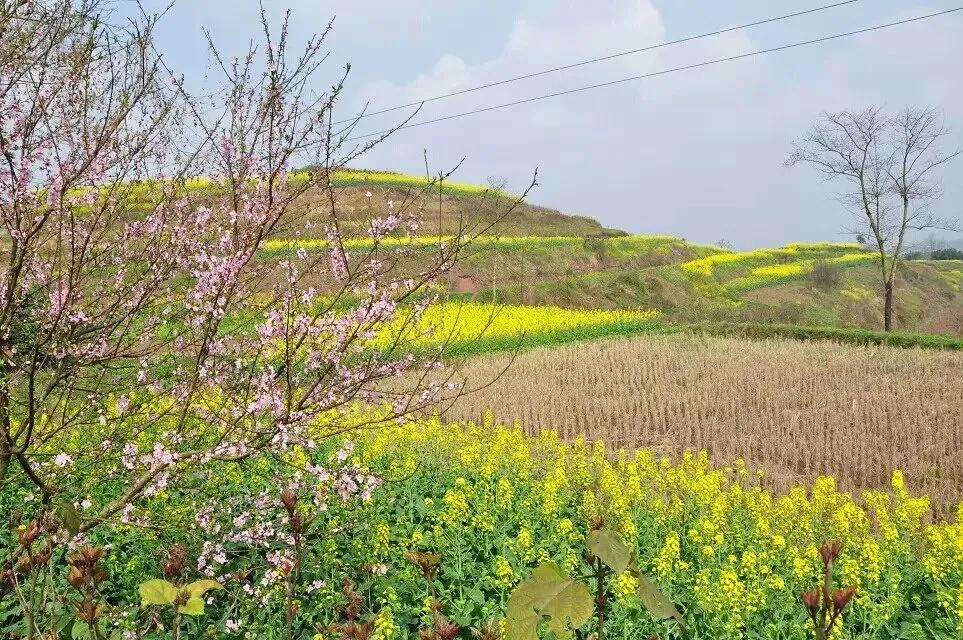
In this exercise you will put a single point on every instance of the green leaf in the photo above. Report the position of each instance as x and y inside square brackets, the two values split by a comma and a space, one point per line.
[476, 595]
[547, 594]
[608, 547]
[80, 631]
[156, 592]
[69, 518]
[521, 628]
[657, 602]
[200, 587]
[193, 607]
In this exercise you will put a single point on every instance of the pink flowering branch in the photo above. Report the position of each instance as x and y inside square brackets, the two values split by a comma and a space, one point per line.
[141, 310]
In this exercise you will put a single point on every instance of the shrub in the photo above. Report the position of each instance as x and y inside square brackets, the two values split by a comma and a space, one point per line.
[947, 254]
[825, 275]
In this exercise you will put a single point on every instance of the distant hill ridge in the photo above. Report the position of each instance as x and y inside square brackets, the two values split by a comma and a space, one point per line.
[537, 255]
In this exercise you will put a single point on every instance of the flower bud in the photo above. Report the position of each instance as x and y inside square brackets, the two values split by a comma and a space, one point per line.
[488, 630]
[30, 533]
[353, 610]
[41, 558]
[297, 523]
[445, 628]
[85, 557]
[841, 597]
[426, 561]
[182, 597]
[289, 500]
[75, 577]
[811, 600]
[363, 631]
[175, 560]
[829, 552]
[92, 554]
[99, 575]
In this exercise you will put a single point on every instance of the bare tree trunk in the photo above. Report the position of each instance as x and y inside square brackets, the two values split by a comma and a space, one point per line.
[888, 307]
[6, 454]
[5, 457]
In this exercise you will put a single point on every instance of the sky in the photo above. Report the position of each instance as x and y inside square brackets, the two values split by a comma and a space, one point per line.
[699, 154]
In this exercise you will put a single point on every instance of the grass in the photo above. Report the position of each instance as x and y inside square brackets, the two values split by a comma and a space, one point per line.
[841, 335]
[624, 248]
[473, 328]
[694, 284]
[390, 179]
[145, 191]
[282, 247]
[745, 270]
[576, 264]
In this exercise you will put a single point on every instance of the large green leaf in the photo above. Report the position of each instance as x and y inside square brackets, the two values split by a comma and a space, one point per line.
[657, 603]
[551, 595]
[193, 607]
[157, 592]
[200, 587]
[80, 631]
[69, 518]
[608, 547]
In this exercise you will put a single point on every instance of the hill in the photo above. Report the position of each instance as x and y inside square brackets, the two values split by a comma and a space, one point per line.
[447, 206]
[779, 285]
[541, 256]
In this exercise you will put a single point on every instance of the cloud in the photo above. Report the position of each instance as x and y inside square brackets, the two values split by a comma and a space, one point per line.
[697, 153]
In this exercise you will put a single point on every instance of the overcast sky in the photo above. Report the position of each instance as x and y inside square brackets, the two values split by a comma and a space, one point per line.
[697, 154]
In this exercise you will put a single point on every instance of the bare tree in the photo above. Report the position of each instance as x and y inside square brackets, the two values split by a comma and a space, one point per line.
[889, 164]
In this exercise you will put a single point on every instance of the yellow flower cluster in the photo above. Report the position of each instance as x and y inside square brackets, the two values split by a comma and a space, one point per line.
[822, 246]
[454, 323]
[385, 626]
[421, 241]
[705, 266]
[350, 177]
[796, 258]
[781, 270]
[712, 538]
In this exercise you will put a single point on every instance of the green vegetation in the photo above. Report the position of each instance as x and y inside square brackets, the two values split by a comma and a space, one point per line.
[392, 180]
[841, 335]
[471, 514]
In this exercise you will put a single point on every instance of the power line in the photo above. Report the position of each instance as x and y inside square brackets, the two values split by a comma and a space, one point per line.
[596, 60]
[653, 74]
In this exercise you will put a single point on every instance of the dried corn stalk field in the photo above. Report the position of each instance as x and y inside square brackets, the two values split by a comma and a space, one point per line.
[793, 409]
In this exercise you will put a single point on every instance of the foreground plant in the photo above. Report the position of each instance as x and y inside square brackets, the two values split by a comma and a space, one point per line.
[86, 575]
[183, 600]
[825, 604]
[141, 343]
[565, 605]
